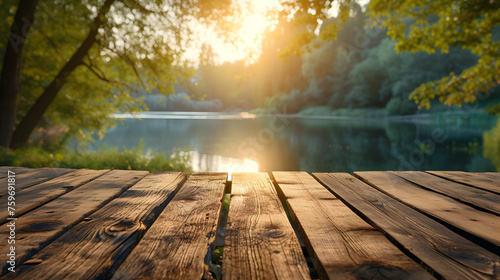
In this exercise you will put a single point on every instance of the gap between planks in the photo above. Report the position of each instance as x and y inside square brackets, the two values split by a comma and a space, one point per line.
[447, 253]
[35, 196]
[179, 244]
[44, 224]
[342, 244]
[479, 226]
[97, 246]
[260, 242]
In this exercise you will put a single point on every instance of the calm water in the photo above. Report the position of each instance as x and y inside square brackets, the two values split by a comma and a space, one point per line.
[243, 142]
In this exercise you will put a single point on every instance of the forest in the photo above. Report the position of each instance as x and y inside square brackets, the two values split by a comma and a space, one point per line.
[360, 69]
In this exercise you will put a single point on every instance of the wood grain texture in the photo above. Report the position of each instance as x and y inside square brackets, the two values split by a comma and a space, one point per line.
[477, 197]
[177, 243]
[449, 254]
[32, 177]
[483, 225]
[342, 244]
[95, 248]
[36, 229]
[485, 181]
[17, 170]
[37, 195]
[260, 242]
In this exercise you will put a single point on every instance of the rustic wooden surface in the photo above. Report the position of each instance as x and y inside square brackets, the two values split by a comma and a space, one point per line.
[176, 245]
[88, 224]
[42, 225]
[345, 246]
[44, 192]
[474, 196]
[16, 170]
[260, 242]
[487, 181]
[94, 248]
[32, 177]
[481, 224]
[448, 253]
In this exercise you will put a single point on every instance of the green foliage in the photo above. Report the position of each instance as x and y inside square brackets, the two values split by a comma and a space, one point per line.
[283, 104]
[307, 15]
[316, 111]
[245, 86]
[361, 69]
[491, 145]
[441, 25]
[493, 109]
[343, 112]
[139, 45]
[36, 156]
[396, 106]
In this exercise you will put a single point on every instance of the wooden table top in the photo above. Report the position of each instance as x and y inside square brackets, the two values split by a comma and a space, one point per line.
[123, 224]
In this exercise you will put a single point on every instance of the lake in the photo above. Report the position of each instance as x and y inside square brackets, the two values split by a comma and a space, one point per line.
[245, 142]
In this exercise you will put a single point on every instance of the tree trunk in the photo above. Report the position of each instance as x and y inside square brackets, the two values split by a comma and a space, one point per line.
[34, 115]
[11, 68]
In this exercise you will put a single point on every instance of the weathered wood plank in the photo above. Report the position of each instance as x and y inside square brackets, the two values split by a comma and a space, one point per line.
[95, 248]
[260, 242]
[36, 229]
[32, 177]
[344, 245]
[483, 225]
[37, 195]
[15, 169]
[486, 181]
[176, 244]
[448, 253]
[477, 197]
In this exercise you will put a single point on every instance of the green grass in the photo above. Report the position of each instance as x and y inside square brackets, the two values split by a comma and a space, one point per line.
[133, 159]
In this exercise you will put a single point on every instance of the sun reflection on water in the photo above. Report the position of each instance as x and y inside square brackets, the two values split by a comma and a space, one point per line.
[215, 163]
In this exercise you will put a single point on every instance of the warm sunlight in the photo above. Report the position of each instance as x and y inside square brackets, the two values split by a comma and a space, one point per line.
[163, 138]
[253, 26]
[254, 21]
[202, 162]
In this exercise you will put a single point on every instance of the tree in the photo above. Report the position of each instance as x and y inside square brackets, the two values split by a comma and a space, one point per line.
[440, 25]
[96, 65]
[83, 60]
[11, 68]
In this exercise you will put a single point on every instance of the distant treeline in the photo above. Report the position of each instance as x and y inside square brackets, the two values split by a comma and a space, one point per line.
[179, 102]
[361, 69]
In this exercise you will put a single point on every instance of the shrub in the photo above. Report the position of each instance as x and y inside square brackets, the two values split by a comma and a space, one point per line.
[396, 106]
[135, 158]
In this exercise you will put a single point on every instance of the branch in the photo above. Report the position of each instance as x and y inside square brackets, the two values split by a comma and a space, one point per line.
[93, 65]
[128, 60]
[144, 10]
[103, 77]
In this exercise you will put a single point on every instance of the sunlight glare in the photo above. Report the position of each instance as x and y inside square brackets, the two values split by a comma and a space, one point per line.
[216, 163]
[253, 25]
[254, 22]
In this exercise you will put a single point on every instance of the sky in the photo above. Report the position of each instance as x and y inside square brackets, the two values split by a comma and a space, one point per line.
[247, 46]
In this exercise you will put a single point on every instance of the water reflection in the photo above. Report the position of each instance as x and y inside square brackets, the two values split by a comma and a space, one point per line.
[203, 162]
[239, 142]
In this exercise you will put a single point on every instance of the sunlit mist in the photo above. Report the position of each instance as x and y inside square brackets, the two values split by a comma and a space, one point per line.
[253, 21]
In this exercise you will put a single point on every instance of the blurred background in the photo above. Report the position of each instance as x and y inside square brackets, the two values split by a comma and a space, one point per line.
[237, 85]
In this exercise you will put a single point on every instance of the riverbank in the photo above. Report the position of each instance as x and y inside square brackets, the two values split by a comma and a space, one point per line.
[135, 158]
[452, 115]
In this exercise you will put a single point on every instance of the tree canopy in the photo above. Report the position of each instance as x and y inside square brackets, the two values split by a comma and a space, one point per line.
[440, 25]
[83, 60]
[360, 69]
